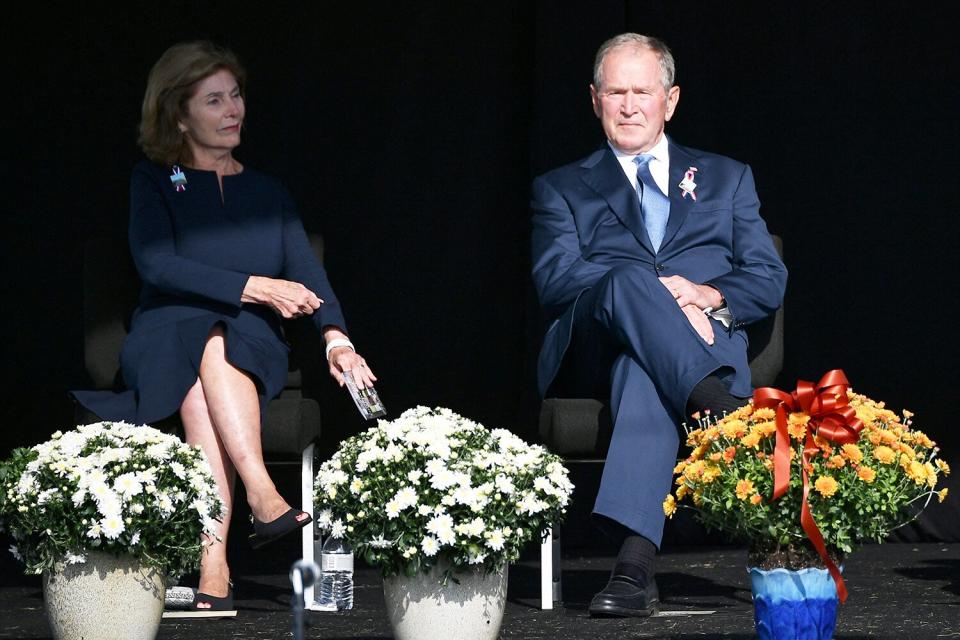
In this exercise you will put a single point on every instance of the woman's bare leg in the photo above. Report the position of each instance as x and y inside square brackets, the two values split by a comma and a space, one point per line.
[234, 409]
[214, 571]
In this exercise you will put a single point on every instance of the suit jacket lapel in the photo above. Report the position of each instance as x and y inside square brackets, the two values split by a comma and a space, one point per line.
[607, 179]
[680, 206]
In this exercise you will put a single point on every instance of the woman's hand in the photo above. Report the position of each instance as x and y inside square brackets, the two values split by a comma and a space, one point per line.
[289, 299]
[346, 359]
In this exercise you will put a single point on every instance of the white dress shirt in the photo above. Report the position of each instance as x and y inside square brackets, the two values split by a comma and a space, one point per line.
[659, 166]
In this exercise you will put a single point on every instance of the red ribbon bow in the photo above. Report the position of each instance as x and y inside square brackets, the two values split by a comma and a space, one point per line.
[831, 419]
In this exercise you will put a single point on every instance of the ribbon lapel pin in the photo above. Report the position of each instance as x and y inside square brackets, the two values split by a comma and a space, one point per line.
[178, 179]
[687, 185]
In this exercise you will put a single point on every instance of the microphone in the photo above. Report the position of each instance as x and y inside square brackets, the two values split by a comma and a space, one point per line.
[303, 573]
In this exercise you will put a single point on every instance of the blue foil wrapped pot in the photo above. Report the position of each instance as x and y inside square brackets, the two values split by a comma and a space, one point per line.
[800, 605]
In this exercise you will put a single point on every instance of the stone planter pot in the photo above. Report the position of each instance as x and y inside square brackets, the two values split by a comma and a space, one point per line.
[105, 598]
[800, 605]
[421, 608]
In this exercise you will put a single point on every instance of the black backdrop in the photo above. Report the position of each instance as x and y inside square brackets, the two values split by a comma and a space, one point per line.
[409, 133]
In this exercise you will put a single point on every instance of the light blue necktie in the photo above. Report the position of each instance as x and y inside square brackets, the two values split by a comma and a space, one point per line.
[654, 206]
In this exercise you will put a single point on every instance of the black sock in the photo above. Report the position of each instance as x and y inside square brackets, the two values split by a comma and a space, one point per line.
[710, 393]
[636, 558]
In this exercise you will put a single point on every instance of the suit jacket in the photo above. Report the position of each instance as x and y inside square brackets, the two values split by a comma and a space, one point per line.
[586, 220]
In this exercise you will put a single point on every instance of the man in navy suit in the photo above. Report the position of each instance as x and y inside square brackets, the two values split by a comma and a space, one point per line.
[649, 259]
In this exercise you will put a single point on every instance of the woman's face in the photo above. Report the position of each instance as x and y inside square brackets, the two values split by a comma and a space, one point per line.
[214, 115]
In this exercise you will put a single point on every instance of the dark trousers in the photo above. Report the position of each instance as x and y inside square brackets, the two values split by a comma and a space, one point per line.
[630, 334]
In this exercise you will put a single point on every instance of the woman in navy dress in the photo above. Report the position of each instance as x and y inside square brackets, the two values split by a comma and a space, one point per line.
[222, 255]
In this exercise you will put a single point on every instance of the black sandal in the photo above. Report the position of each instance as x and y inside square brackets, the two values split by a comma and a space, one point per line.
[205, 605]
[267, 532]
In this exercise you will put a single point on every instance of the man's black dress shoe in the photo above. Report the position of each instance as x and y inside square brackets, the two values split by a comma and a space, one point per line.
[626, 597]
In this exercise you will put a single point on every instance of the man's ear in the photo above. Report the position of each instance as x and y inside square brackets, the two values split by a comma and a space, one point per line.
[595, 99]
[673, 97]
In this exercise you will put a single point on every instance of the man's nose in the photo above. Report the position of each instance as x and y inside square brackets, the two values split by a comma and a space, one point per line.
[630, 103]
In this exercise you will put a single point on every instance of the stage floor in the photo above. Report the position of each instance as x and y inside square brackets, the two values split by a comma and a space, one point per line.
[897, 590]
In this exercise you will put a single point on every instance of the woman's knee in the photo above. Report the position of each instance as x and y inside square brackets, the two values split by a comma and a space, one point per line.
[194, 404]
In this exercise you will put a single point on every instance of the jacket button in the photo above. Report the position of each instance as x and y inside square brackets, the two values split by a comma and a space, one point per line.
[661, 267]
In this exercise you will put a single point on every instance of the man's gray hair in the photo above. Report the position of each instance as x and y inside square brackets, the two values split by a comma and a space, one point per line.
[668, 68]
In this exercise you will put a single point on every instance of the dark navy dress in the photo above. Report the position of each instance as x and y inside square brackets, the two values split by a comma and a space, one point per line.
[194, 251]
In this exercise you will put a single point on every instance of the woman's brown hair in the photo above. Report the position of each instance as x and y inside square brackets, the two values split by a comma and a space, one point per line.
[170, 85]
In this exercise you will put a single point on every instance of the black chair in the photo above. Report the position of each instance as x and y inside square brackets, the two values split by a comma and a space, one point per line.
[292, 426]
[580, 429]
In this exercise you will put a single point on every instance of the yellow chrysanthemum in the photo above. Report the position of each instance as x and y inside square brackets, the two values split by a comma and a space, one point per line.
[744, 489]
[756, 499]
[797, 425]
[943, 466]
[766, 428]
[669, 506]
[826, 486]
[887, 437]
[931, 472]
[884, 455]
[734, 428]
[906, 450]
[942, 494]
[680, 467]
[874, 437]
[921, 439]
[716, 456]
[731, 452]
[768, 464]
[866, 474]
[751, 440]
[915, 471]
[764, 413]
[697, 498]
[710, 473]
[682, 491]
[694, 470]
[852, 453]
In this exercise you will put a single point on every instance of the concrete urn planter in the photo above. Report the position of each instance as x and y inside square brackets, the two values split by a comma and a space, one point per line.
[469, 607]
[107, 597]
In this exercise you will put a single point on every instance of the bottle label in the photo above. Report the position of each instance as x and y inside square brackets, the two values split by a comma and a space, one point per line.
[336, 562]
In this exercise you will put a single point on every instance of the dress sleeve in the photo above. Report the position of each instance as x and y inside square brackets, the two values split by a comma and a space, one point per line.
[152, 243]
[300, 264]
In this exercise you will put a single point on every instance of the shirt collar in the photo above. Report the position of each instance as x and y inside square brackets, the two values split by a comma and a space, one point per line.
[660, 151]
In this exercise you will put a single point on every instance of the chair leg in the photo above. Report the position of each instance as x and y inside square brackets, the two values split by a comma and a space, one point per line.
[557, 567]
[306, 503]
[546, 571]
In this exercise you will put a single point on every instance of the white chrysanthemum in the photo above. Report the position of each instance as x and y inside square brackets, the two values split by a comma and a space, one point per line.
[135, 538]
[78, 497]
[127, 485]
[406, 497]
[530, 504]
[356, 486]
[477, 559]
[338, 529]
[495, 539]
[164, 503]
[443, 479]
[28, 483]
[200, 507]
[136, 509]
[430, 546]
[74, 558]
[112, 526]
[394, 431]
[415, 475]
[448, 500]
[380, 543]
[16, 553]
[325, 519]
[178, 469]
[44, 496]
[110, 505]
[424, 509]
[94, 531]
[392, 509]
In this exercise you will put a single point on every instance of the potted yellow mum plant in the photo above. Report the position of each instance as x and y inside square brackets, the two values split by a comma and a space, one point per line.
[803, 478]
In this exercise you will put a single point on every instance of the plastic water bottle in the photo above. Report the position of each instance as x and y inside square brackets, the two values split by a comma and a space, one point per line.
[336, 580]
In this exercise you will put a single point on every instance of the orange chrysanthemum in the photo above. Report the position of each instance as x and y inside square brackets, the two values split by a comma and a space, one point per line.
[866, 474]
[852, 452]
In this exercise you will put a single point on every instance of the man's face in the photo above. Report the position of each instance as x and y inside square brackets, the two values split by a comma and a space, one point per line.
[632, 104]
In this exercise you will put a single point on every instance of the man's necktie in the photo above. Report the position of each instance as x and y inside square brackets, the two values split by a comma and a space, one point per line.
[653, 204]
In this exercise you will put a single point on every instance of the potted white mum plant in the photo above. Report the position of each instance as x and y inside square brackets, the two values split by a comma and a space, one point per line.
[106, 512]
[442, 505]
